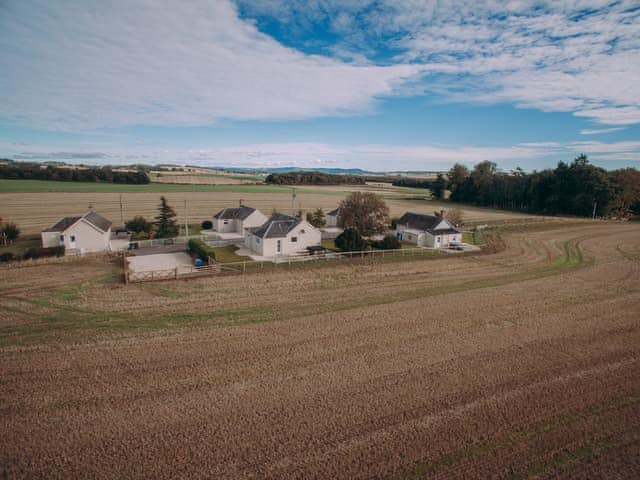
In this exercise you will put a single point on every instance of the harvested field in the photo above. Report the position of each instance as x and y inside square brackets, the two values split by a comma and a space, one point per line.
[34, 211]
[521, 363]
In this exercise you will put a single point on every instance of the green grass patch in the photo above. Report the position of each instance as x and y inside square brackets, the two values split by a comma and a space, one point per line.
[14, 186]
[227, 254]
[21, 245]
[473, 238]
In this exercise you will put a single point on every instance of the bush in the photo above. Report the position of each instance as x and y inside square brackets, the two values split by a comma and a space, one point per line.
[41, 252]
[350, 241]
[201, 249]
[206, 225]
[138, 225]
[390, 242]
[7, 257]
[11, 231]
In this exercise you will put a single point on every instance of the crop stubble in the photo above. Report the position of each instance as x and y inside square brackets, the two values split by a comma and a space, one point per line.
[507, 365]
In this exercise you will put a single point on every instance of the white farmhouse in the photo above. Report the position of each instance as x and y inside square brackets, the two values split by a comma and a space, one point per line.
[235, 220]
[84, 234]
[281, 235]
[427, 230]
[332, 218]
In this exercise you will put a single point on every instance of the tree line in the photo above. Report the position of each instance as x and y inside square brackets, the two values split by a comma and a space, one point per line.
[577, 188]
[313, 178]
[36, 171]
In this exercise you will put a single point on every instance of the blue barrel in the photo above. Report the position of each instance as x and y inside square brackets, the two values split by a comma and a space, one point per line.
[199, 262]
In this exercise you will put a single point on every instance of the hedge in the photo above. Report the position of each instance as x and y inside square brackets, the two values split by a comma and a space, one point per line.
[201, 249]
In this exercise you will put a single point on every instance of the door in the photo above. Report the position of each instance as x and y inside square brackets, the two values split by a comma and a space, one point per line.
[72, 241]
[278, 246]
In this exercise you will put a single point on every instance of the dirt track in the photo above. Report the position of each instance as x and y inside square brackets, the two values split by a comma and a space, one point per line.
[509, 365]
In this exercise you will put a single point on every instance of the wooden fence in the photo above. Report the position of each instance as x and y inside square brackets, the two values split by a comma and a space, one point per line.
[131, 276]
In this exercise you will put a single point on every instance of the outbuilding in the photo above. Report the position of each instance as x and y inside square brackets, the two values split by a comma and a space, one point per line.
[427, 230]
[78, 235]
[235, 220]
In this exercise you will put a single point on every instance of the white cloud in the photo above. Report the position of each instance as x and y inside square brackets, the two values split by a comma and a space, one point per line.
[599, 131]
[75, 65]
[573, 56]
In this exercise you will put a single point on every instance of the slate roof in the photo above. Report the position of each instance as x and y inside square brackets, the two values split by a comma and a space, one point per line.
[62, 224]
[278, 226]
[97, 221]
[334, 213]
[425, 223]
[92, 217]
[237, 213]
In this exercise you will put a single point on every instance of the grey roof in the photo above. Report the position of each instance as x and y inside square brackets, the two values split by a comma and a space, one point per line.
[239, 213]
[97, 221]
[278, 226]
[92, 217]
[423, 222]
[62, 224]
[334, 213]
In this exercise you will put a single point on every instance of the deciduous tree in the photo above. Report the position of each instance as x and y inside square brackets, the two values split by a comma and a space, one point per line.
[367, 212]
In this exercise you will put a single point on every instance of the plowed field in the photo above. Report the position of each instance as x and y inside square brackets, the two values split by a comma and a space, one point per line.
[522, 363]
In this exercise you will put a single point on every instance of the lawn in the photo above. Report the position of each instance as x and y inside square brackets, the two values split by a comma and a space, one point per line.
[11, 186]
[21, 245]
[227, 254]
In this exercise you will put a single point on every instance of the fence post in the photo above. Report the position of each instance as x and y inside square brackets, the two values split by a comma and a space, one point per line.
[244, 267]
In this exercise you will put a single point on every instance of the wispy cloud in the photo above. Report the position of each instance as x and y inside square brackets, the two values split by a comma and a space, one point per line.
[80, 65]
[579, 56]
[599, 131]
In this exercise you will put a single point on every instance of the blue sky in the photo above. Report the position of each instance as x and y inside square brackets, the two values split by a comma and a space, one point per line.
[379, 85]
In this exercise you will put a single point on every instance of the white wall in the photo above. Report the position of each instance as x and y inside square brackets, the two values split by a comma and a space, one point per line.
[267, 246]
[87, 238]
[219, 225]
[51, 239]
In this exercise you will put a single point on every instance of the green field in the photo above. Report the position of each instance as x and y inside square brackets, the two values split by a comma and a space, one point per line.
[14, 186]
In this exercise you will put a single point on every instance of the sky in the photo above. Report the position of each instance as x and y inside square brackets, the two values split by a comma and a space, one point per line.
[381, 85]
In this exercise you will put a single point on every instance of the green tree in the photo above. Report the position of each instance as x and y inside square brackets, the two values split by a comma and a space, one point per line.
[366, 212]
[165, 223]
[389, 242]
[139, 224]
[317, 218]
[350, 240]
[10, 232]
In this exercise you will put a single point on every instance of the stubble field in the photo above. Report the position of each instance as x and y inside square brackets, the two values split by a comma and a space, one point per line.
[521, 363]
[35, 208]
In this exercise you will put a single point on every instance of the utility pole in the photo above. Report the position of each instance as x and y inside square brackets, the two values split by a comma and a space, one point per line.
[293, 201]
[121, 214]
[595, 204]
[186, 223]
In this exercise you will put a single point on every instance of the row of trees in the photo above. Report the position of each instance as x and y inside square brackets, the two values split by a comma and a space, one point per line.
[313, 178]
[36, 171]
[578, 188]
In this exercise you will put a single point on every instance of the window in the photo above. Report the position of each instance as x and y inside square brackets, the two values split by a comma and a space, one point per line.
[226, 222]
[62, 238]
[294, 239]
[257, 240]
[301, 231]
[73, 238]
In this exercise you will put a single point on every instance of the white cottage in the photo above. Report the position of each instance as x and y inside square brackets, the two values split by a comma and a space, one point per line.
[427, 230]
[281, 235]
[85, 234]
[235, 220]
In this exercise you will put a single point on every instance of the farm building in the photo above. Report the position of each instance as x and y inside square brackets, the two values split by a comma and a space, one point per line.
[83, 234]
[235, 220]
[332, 218]
[427, 230]
[281, 235]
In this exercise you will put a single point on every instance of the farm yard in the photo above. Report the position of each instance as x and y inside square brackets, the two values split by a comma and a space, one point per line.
[519, 362]
[33, 207]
